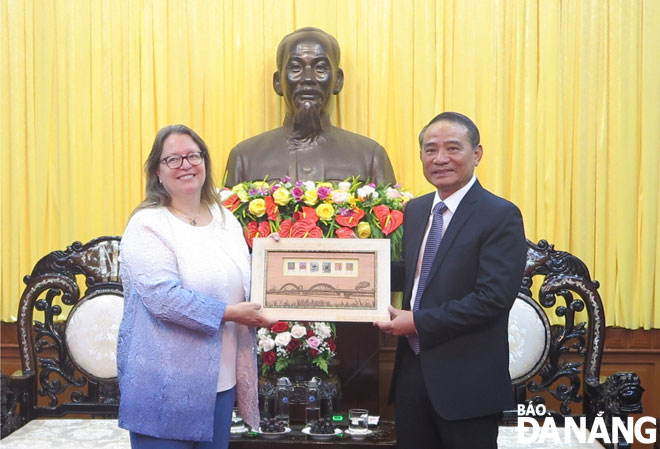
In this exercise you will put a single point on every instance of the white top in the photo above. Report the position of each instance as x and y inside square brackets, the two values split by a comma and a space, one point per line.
[215, 272]
[452, 202]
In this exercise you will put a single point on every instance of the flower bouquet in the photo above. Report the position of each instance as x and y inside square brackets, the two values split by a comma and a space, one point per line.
[347, 209]
[296, 342]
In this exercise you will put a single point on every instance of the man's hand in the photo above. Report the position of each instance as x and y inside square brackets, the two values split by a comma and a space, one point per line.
[401, 323]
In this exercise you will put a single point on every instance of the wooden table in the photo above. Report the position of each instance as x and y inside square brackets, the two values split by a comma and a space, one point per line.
[383, 435]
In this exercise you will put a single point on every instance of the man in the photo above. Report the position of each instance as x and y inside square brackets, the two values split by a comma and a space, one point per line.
[463, 265]
[307, 147]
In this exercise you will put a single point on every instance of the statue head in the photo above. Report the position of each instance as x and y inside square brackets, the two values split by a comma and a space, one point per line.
[307, 75]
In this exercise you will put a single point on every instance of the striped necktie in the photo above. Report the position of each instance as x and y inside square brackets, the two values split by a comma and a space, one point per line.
[431, 248]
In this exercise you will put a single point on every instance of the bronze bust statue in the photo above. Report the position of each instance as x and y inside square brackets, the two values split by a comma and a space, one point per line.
[307, 147]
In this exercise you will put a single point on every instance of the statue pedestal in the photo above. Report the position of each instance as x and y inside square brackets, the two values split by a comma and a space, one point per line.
[299, 374]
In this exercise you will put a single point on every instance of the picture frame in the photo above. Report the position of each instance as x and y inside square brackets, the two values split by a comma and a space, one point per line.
[317, 279]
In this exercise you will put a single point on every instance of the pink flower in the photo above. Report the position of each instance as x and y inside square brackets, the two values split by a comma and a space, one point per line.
[313, 342]
[324, 192]
[297, 193]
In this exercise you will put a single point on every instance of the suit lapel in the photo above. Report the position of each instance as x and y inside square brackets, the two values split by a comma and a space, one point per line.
[465, 209]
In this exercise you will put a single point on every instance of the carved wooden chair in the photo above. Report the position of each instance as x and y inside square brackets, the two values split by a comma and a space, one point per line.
[67, 338]
[555, 351]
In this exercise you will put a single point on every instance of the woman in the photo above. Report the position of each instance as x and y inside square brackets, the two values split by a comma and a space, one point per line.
[185, 270]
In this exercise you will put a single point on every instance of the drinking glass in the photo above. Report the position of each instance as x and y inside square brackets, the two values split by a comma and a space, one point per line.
[358, 420]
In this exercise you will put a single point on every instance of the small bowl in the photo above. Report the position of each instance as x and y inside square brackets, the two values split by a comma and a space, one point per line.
[359, 436]
[273, 435]
[321, 436]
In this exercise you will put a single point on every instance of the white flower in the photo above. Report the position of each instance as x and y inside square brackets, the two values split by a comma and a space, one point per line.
[367, 192]
[266, 344]
[309, 185]
[224, 194]
[340, 196]
[298, 331]
[344, 185]
[262, 332]
[392, 193]
[323, 330]
[283, 338]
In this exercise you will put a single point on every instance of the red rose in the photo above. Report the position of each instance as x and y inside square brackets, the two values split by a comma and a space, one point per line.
[345, 233]
[332, 345]
[269, 357]
[313, 353]
[280, 326]
[310, 333]
[272, 211]
[293, 345]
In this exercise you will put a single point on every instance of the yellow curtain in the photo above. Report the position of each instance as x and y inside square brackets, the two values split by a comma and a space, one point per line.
[566, 95]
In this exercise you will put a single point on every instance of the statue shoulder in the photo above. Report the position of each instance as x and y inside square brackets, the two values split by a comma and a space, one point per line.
[265, 141]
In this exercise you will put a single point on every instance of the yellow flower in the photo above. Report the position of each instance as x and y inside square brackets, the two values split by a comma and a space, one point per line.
[363, 230]
[260, 184]
[281, 196]
[324, 184]
[325, 211]
[239, 189]
[257, 207]
[310, 197]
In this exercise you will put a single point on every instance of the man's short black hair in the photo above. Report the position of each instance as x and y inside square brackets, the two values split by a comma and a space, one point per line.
[455, 117]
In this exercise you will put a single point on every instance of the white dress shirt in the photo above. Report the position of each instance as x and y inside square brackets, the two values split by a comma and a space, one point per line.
[452, 202]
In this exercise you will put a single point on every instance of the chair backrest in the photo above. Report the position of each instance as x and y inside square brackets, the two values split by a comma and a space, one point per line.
[550, 351]
[70, 366]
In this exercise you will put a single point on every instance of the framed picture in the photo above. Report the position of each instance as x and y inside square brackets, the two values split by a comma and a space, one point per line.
[322, 279]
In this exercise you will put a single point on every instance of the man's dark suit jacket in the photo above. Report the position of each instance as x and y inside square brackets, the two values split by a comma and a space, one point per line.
[463, 315]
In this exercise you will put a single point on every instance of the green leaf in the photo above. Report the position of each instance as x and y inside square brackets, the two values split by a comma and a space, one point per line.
[280, 364]
[322, 364]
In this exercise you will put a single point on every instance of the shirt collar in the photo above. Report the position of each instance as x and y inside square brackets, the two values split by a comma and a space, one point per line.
[453, 200]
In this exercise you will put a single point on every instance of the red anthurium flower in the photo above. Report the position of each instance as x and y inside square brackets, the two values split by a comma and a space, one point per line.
[269, 357]
[285, 228]
[272, 211]
[280, 326]
[308, 213]
[389, 219]
[352, 219]
[345, 233]
[232, 202]
[252, 230]
[306, 228]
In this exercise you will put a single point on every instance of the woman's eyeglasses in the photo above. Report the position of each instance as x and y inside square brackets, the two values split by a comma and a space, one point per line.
[175, 161]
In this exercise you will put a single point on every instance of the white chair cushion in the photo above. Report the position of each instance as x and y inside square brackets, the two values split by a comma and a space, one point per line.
[527, 338]
[91, 334]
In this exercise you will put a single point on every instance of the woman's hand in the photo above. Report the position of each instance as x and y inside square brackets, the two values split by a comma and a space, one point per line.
[249, 314]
